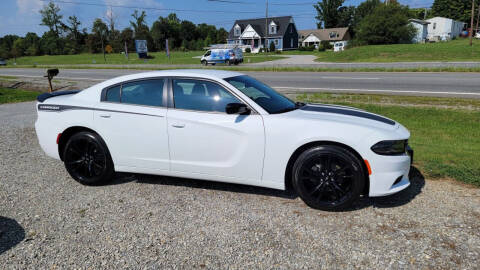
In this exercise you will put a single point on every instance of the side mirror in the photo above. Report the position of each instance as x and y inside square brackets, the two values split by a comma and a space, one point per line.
[237, 108]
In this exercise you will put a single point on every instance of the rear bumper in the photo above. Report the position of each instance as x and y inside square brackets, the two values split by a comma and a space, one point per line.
[47, 135]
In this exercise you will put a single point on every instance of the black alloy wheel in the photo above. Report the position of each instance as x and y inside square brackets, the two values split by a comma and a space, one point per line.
[87, 159]
[328, 177]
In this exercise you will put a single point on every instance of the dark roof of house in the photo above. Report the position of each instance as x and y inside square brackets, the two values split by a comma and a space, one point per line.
[324, 34]
[259, 26]
[418, 21]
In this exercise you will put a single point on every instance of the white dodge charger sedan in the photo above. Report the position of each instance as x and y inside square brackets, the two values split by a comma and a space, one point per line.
[223, 126]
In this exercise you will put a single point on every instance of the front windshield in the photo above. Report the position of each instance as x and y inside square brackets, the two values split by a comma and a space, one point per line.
[263, 95]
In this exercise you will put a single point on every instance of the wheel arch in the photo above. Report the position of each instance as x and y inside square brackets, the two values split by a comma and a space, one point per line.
[302, 148]
[69, 132]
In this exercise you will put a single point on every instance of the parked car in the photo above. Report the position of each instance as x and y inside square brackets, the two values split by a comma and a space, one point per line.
[223, 126]
[339, 46]
[226, 56]
[3, 62]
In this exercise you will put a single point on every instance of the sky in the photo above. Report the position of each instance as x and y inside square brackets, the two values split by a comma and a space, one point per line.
[22, 16]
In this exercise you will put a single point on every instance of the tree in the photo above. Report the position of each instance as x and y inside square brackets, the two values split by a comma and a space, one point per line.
[387, 24]
[453, 9]
[51, 18]
[32, 44]
[74, 37]
[100, 30]
[18, 48]
[328, 13]
[126, 37]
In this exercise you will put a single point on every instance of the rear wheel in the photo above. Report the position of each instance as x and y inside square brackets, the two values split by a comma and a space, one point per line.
[87, 159]
[328, 177]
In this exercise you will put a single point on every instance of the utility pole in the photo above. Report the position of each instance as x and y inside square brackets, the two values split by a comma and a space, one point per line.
[425, 14]
[266, 26]
[478, 17]
[471, 22]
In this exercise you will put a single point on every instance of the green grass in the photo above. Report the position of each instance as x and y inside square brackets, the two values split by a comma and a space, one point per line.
[455, 50]
[16, 95]
[446, 140]
[176, 58]
[264, 68]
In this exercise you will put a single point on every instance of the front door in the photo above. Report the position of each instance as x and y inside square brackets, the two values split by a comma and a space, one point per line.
[132, 121]
[204, 140]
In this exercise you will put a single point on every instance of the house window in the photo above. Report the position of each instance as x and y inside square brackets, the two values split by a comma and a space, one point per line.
[333, 34]
[291, 43]
[434, 26]
[276, 42]
[273, 28]
[237, 30]
[291, 29]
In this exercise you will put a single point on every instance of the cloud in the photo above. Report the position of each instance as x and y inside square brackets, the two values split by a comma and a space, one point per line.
[29, 6]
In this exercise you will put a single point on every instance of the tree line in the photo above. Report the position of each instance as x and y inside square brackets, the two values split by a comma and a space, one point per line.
[68, 36]
[377, 22]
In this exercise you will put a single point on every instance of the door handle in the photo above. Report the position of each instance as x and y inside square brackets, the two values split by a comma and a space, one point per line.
[178, 125]
[105, 115]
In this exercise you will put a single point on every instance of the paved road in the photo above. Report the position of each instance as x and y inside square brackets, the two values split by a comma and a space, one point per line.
[398, 83]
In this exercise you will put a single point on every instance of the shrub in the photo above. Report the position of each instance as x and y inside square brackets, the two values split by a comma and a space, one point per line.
[271, 47]
[326, 45]
[248, 50]
[278, 52]
[321, 48]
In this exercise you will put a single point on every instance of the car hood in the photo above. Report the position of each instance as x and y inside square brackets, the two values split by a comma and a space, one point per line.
[344, 114]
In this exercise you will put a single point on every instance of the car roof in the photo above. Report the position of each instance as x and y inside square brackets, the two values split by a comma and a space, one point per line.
[200, 73]
[191, 73]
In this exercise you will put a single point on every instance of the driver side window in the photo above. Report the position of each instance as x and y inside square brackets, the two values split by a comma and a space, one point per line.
[201, 95]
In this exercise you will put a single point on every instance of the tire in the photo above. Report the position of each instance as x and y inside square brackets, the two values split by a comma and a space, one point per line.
[87, 159]
[229, 62]
[236, 63]
[204, 63]
[328, 177]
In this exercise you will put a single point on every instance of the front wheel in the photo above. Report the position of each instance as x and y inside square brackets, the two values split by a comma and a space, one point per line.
[204, 63]
[87, 159]
[328, 177]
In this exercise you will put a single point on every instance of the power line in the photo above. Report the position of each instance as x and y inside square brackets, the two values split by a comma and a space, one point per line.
[232, 2]
[150, 8]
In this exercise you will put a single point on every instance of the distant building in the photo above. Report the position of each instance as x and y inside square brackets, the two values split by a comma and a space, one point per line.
[315, 36]
[281, 31]
[422, 30]
[444, 29]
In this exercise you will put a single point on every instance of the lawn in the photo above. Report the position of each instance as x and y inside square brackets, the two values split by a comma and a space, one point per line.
[8, 95]
[176, 58]
[455, 50]
[445, 133]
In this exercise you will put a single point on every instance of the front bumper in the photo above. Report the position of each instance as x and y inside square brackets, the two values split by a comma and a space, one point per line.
[389, 174]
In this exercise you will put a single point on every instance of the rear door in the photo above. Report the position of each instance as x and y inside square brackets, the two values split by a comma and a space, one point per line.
[204, 140]
[132, 120]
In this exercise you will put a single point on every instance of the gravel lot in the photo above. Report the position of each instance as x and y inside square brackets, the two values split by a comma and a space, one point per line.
[47, 220]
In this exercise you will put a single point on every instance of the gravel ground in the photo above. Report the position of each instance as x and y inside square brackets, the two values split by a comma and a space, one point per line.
[47, 220]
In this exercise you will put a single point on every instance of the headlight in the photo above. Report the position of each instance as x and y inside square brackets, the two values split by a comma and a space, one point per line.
[390, 148]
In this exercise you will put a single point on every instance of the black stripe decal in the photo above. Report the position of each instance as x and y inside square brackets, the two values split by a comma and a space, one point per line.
[62, 108]
[329, 109]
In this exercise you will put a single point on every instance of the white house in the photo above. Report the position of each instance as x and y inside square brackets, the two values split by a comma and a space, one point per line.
[441, 28]
[422, 30]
